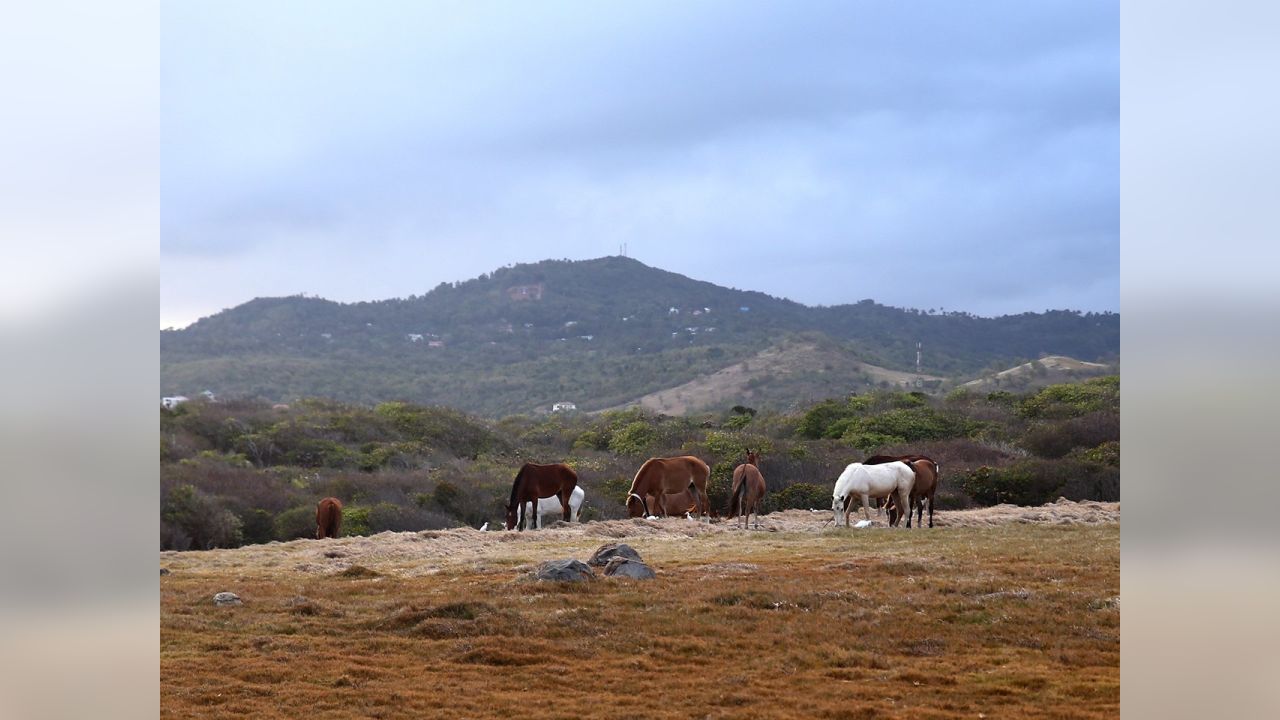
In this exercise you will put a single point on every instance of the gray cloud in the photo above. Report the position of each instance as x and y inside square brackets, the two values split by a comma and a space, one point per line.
[803, 150]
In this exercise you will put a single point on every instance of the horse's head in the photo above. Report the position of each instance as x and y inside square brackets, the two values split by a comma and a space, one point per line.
[635, 506]
[511, 517]
[753, 457]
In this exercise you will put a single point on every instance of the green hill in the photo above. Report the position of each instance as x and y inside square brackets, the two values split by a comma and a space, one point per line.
[600, 333]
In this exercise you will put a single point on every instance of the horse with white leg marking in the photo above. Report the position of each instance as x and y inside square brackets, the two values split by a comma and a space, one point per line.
[662, 476]
[748, 490]
[535, 482]
[551, 505]
[868, 481]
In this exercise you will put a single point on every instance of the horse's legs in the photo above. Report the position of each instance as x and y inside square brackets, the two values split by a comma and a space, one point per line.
[904, 501]
[866, 506]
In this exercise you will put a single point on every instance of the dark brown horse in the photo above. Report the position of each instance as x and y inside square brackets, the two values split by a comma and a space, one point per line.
[328, 518]
[748, 490]
[924, 489]
[660, 476]
[535, 482]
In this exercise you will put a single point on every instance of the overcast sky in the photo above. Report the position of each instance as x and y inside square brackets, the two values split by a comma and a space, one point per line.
[954, 155]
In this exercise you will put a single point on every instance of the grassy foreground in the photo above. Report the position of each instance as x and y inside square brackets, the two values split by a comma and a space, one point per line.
[1012, 621]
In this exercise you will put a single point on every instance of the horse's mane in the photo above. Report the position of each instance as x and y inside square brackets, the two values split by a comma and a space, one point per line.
[515, 485]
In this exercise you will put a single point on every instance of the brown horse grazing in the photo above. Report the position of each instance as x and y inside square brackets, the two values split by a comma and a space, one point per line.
[328, 518]
[535, 482]
[925, 487]
[882, 503]
[748, 490]
[662, 476]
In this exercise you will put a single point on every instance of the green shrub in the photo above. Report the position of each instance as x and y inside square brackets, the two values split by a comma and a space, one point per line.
[300, 522]
[799, 496]
[258, 526]
[1037, 481]
[1108, 453]
[191, 520]
[633, 439]
[1056, 438]
[1073, 399]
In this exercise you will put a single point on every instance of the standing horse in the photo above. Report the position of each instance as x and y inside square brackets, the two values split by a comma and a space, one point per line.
[748, 490]
[868, 481]
[673, 504]
[535, 482]
[659, 476]
[925, 487]
[881, 459]
[328, 518]
[549, 505]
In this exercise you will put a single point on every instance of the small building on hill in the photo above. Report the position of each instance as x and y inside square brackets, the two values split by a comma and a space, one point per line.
[564, 407]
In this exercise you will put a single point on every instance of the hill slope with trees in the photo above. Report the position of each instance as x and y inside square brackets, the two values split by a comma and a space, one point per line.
[597, 332]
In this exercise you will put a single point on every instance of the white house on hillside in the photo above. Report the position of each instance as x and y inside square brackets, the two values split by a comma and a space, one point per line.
[564, 407]
[169, 403]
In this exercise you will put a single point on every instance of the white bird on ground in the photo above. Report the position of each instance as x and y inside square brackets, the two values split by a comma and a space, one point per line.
[485, 526]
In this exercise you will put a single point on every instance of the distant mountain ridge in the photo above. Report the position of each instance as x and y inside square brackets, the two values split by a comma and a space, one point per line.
[599, 332]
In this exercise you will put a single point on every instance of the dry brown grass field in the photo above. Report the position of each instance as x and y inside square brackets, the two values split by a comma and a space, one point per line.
[996, 613]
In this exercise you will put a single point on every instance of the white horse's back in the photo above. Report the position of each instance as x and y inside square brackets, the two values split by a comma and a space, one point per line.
[871, 481]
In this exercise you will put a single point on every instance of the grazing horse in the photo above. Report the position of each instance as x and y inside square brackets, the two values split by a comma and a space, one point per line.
[549, 505]
[660, 476]
[868, 481]
[328, 518]
[748, 490]
[535, 482]
[925, 487]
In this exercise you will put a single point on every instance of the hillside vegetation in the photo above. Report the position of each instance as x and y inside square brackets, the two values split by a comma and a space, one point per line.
[242, 472]
[600, 333]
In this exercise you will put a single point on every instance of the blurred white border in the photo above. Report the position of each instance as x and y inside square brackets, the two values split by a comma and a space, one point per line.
[1200, 576]
[79, 224]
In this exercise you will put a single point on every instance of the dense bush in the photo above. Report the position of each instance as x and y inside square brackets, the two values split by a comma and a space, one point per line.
[1036, 481]
[800, 496]
[1054, 439]
[244, 472]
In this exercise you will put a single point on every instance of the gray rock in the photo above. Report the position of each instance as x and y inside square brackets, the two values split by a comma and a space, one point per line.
[628, 568]
[608, 551]
[569, 570]
[226, 598]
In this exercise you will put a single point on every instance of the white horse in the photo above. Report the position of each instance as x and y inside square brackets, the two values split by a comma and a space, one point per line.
[871, 481]
[551, 506]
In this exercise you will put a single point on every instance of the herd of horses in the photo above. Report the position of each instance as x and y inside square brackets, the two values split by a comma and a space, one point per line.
[677, 486]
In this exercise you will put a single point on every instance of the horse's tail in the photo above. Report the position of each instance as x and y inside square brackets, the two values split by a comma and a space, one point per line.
[735, 501]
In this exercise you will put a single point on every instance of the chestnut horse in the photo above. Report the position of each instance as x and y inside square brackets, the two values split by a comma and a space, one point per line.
[659, 476]
[882, 503]
[328, 518]
[535, 482]
[675, 504]
[925, 487]
[748, 490]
